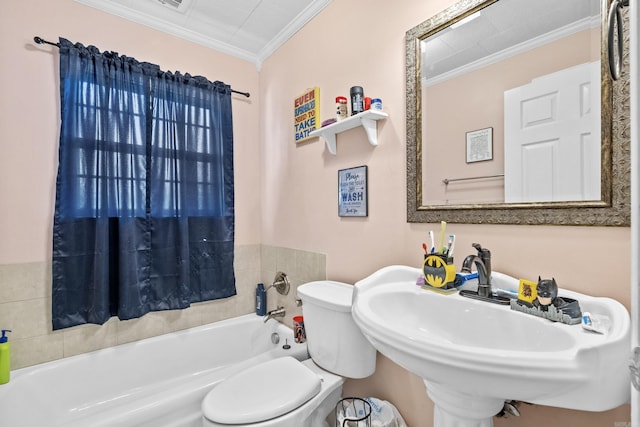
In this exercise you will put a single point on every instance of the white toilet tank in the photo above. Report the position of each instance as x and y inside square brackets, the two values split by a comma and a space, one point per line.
[334, 341]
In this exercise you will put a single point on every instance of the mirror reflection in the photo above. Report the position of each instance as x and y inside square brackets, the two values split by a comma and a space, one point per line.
[511, 105]
[569, 164]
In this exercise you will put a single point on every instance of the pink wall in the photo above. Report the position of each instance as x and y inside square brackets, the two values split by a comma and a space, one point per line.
[361, 42]
[29, 112]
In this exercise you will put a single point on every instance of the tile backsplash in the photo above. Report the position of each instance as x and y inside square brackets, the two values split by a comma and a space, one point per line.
[299, 266]
[25, 305]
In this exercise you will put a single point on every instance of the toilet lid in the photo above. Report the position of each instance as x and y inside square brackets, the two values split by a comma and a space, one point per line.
[262, 392]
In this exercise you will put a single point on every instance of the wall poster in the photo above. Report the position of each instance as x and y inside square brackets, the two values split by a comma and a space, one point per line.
[352, 192]
[306, 113]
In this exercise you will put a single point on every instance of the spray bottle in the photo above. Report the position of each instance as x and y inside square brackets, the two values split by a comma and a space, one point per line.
[5, 361]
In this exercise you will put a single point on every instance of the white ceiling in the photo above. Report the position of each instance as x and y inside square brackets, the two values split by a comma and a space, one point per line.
[505, 28]
[248, 29]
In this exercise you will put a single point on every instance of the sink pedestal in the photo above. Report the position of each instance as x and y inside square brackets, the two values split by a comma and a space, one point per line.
[456, 409]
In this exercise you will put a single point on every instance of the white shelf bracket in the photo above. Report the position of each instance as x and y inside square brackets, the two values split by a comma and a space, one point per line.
[330, 140]
[371, 129]
[367, 119]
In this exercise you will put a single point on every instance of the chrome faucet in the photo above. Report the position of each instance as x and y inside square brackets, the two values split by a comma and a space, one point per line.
[483, 265]
[278, 312]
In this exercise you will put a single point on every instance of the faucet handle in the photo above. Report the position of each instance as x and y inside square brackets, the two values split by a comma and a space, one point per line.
[483, 253]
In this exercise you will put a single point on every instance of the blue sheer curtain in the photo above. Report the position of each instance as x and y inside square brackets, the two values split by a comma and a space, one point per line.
[144, 216]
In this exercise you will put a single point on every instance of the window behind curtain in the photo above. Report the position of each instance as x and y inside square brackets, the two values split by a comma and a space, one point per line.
[144, 215]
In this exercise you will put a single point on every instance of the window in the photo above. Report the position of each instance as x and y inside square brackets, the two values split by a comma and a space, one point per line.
[144, 215]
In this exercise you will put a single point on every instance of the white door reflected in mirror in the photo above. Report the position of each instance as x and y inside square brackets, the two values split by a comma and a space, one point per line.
[552, 137]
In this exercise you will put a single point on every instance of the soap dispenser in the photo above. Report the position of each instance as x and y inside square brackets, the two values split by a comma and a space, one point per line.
[5, 361]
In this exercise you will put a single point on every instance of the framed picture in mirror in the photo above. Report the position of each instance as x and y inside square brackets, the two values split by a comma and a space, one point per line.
[480, 145]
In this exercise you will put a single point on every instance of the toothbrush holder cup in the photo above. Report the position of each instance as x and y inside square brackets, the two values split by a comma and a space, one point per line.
[439, 271]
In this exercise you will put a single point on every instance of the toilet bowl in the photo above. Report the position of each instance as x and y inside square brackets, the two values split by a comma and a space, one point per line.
[286, 392]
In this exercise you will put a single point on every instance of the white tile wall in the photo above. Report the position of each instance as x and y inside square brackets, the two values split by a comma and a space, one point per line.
[299, 266]
[25, 305]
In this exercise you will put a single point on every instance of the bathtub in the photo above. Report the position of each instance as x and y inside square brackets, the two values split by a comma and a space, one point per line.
[159, 381]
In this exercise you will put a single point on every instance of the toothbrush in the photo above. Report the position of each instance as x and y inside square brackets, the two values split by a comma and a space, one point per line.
[433, 245]
[452, 241]
[443, 227]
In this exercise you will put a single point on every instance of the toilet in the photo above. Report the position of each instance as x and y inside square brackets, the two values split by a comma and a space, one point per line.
[286, 392]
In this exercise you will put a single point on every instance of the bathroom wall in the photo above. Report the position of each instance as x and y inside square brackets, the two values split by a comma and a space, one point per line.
[361, 42]
[29, 122]
[25, 300]
[300, 267]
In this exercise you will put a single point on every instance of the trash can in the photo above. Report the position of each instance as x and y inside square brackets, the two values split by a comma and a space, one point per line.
[353, 412]
[384, 414]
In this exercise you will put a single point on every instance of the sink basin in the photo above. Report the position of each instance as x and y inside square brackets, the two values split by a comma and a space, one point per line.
[474, 355]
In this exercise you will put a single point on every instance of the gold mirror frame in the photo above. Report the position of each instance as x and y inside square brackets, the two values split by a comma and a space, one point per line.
[614, 207]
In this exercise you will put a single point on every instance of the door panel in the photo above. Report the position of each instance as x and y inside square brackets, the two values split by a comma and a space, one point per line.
[561, 107]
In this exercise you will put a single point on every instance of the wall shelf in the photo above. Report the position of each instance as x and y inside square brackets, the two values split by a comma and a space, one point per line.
[367, 119]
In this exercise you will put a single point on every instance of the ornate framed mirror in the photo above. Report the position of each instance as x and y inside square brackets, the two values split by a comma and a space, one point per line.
[486, 125]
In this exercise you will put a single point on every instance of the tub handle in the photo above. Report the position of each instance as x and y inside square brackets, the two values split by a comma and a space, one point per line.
[281, 283]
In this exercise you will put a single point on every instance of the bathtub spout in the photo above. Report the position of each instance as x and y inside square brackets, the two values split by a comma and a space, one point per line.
[278, 312]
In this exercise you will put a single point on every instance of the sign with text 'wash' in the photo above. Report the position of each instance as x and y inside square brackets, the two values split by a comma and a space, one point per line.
[352, 192]
[306, 113]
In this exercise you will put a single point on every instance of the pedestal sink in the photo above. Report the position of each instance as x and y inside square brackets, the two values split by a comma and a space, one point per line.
[474, 356]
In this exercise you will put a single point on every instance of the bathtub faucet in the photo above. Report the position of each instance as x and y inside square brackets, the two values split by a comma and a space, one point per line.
[278, 312]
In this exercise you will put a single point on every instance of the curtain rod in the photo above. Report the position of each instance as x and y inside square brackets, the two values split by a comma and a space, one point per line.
[40, 40]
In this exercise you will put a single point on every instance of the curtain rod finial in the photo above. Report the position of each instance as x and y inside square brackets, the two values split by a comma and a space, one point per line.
[40, 40]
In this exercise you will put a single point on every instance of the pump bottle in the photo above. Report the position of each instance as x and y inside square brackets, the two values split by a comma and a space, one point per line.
[261, 300]
[5, 360]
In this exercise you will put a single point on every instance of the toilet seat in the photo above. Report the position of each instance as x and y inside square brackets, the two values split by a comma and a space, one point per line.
[262, 392]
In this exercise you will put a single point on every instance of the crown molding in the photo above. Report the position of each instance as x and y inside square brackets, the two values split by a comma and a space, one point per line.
[300, 21]
[131, 14]
[534, 42]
